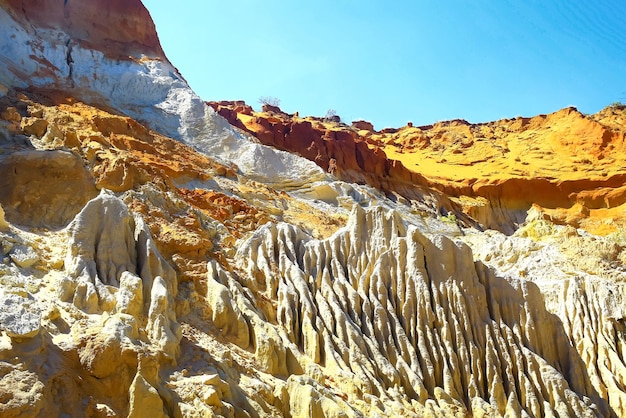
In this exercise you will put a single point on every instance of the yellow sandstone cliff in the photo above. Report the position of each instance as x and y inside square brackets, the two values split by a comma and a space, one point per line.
[157, 261]
[568, 165]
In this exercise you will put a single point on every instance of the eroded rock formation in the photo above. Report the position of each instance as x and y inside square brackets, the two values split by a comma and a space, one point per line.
[176, 267]
[494, 171]
[65, 187]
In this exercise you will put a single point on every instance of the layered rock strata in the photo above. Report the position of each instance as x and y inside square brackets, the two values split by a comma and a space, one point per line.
[173, 266]
[566, 163]
[120, 65]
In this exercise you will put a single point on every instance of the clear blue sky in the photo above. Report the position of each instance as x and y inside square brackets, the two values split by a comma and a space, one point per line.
[391, 62]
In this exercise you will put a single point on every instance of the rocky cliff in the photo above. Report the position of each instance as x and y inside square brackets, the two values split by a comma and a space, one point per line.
[159, 261]
[566, 164]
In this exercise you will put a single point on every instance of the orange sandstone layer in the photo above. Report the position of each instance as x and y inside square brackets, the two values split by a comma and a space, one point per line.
[339, 149]
[61, 152]
[570, 165]
[118, 28]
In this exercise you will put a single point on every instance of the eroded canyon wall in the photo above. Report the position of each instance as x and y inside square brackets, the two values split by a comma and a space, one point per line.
[157, 261]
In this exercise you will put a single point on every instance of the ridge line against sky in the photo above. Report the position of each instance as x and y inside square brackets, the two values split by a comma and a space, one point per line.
[391, 63]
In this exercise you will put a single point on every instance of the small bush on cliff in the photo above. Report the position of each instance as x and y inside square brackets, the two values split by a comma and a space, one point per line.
[449, 218]
[268, 100]
[332, 116]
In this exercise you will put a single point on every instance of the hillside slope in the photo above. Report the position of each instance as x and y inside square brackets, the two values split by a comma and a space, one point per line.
[568, 165]
[158, 261]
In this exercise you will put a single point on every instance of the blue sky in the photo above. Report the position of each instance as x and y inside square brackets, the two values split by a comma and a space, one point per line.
[392, 62]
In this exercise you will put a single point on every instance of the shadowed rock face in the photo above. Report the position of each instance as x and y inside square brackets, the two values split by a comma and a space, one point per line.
[44, 188]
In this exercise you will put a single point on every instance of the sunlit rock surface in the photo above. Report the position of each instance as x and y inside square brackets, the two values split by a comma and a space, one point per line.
[156, 261]
[120, 64]
[569, 165]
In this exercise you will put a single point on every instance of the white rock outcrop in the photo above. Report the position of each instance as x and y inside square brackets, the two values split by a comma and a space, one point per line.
[412, 319]
[24, 256]
[581, 290]
[147, 88]
[19, 317]
[113, 266]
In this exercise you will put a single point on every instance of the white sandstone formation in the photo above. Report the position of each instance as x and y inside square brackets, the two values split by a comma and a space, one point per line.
[113, 265]
[110, 311]
[19, 317]
[146, 88]
[413, 319]
[574, 275]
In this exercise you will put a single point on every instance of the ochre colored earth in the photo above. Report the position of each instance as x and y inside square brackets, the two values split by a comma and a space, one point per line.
[570, 166]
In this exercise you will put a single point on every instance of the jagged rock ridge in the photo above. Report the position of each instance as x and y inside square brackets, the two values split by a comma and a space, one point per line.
[193, 272]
